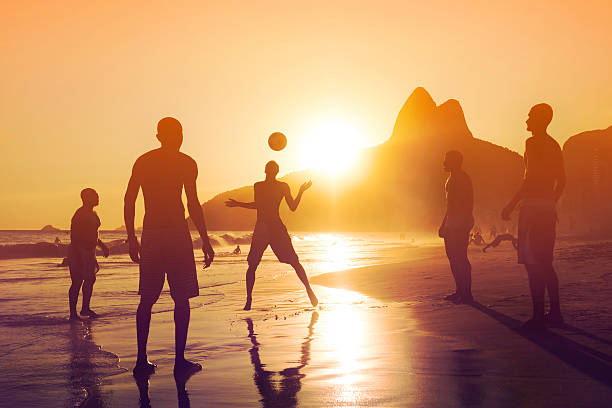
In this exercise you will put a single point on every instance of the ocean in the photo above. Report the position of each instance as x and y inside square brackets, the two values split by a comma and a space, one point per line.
[48, 362]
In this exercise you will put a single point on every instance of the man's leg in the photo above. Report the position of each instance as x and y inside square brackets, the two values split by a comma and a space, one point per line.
[181, 327]
[454, 266]
[552, 284]
[301, 273]
[73, 297]
[87, 292]
[143, 322]
[537, 287]
[250, 282]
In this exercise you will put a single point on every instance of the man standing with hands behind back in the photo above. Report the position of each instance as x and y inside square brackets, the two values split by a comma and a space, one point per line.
[166, 242]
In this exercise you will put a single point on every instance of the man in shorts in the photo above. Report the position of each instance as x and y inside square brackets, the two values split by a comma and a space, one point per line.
[542, 186]
[166, 242]
[457, 224]
[82, 253]
[270, 230]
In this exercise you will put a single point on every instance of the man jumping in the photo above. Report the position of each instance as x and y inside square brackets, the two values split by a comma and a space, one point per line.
[542, 186]
[270, 230]
[166, 243]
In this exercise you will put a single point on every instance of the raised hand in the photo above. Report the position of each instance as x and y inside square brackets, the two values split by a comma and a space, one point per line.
[231, 203]
[306, 186]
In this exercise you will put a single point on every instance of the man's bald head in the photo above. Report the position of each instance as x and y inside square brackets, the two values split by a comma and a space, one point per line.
[170, 133]
[539, 118]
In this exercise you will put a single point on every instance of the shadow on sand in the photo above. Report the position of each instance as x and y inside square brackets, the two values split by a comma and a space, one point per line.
[592, 362]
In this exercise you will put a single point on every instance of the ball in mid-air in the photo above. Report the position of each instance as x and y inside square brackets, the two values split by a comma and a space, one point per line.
[277, 141]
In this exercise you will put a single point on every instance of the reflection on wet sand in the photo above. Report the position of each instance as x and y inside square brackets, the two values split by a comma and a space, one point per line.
[285, 393]
[82, 378]
[142, 382]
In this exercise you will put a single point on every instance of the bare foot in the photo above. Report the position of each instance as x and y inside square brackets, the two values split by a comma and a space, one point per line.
[313, 299]
[89, 313]
[74, 319]
[143, 368]
[247, 305]
[186, 368]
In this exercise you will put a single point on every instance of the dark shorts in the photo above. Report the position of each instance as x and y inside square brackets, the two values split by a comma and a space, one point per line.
[275, 235]
[167, 252]
[82, 264]
[536, 232]
[456, 244]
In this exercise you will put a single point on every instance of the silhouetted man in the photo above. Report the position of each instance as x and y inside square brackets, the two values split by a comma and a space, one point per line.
[166, 243]
[270, 230]
[542, 186]
[82, 253]
[457, 224]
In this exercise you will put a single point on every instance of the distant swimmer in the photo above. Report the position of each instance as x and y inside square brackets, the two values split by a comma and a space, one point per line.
[82, 253]
[543, 184]
[166, 247]
[270, 230]
[501, 238]
[456, 226]
[237, 250]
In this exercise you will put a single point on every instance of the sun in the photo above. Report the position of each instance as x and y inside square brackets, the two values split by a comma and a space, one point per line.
[331, 146]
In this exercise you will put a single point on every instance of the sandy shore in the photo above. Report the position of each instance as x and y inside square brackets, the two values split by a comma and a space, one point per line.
[382, 337]
[566, 366]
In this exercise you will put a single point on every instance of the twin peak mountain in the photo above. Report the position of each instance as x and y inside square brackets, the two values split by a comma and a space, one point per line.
[397, 185]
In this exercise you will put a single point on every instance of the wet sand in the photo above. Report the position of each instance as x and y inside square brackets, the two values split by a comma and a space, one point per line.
[382, 337]
[568, 366]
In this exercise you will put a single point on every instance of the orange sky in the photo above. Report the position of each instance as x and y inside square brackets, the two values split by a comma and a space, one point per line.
[84, 83]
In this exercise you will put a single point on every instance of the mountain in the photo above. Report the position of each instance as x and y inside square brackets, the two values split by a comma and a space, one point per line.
[586, 205]
[50, 228]
[399, 184]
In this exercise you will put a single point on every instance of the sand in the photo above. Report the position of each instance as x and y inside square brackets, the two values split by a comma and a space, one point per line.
[383, 337]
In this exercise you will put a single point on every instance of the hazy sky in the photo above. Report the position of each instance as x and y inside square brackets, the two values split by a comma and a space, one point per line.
[84, 83]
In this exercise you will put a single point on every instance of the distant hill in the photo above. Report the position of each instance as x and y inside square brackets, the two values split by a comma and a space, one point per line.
[50, 228]
[399, 184]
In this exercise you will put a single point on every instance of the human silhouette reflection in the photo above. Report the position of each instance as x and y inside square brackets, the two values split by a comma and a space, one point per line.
[82, 373]
[285, 394]
[142, 381]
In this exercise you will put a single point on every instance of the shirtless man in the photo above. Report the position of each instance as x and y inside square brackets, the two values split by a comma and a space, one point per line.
[270, 230]
[82, 253]
[166, 243]
[542, 186]
[457, 224]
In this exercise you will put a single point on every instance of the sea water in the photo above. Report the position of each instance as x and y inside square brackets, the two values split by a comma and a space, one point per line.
[46, 361]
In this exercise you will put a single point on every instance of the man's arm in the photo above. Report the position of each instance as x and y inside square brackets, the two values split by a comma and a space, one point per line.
[129, 209]
[103, 247]
[521, 191]
[294, 202]
[233, 203]
[561, 179]
[197, 214]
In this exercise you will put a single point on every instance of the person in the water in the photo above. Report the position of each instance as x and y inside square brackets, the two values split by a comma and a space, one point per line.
[82, 253]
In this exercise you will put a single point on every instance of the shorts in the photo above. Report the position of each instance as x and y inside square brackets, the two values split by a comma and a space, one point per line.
[167, 251]
[82, 264]
[536, 232]
[275, 235]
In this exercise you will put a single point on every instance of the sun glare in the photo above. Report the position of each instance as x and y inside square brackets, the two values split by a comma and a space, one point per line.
[331, 146]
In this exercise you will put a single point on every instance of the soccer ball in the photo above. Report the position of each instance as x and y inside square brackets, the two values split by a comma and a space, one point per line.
[277, 141]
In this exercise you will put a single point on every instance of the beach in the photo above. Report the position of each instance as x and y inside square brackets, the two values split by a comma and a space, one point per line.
[381, 336]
